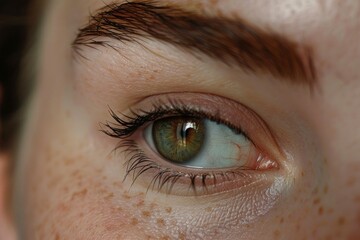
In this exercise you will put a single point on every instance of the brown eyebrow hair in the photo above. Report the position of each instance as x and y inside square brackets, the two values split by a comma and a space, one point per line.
[229, 40]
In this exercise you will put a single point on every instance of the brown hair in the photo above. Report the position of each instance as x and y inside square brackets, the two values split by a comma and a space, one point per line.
[17, 18]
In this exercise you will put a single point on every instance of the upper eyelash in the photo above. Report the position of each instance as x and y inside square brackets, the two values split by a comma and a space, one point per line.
[126, 125]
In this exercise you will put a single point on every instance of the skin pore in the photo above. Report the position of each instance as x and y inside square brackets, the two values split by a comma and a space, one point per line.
[69, 180]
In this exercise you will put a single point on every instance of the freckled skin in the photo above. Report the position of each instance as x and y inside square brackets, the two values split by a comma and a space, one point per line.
[69, 181]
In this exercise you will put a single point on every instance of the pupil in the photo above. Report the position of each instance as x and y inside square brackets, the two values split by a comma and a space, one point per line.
[178, 139]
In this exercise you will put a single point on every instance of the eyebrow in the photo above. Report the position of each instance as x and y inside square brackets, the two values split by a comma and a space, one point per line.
[233, 41]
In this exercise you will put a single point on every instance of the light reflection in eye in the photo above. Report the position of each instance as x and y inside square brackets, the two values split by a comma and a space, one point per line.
[198, 143]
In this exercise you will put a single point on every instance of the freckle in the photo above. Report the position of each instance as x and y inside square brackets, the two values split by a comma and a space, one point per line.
[297, 227]
[117, 209]
[68, 161]
[139, 203]
[75, 173]
[53, 182]
[102, 191]
[341, 221]
[168, 209]
[57, 236]
[214, 2]
[125, 195]
[80, 182]
[357, 198]
[182, 236]
[326, 189]
[65, 189]
[117, 184]
[302, 173]
[109, 196]
[282, 220]
[330, 211]
[160, 222]
[316, 201]
[165, 238]
[351, 181]
[63, 207]
[276, 233]
[134, 221]
[208, 209]
[81, 193]
[146, 214]
[320, 210]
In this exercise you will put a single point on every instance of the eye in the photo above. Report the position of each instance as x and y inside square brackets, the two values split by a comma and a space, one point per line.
[198, 143]
[181, 140]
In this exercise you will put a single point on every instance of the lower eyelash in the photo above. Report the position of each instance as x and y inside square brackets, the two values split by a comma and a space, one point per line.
[138, 163]
[165, 178]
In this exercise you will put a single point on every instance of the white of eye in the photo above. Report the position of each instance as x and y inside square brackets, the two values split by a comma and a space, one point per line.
[222, 147]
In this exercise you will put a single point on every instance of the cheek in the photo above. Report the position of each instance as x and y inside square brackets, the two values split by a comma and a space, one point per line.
[67, 194]
[324, 209]
[72, 187]
[61, 186]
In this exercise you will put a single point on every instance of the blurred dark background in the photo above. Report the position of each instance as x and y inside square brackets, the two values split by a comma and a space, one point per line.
[14, 22]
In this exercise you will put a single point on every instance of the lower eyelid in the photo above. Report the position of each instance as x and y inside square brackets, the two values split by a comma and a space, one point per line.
[225, 180]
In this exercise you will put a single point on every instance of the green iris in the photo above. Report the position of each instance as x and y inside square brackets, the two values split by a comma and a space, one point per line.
[178, 139]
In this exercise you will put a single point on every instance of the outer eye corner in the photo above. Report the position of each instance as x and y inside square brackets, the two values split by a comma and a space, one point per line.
[266, 163]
